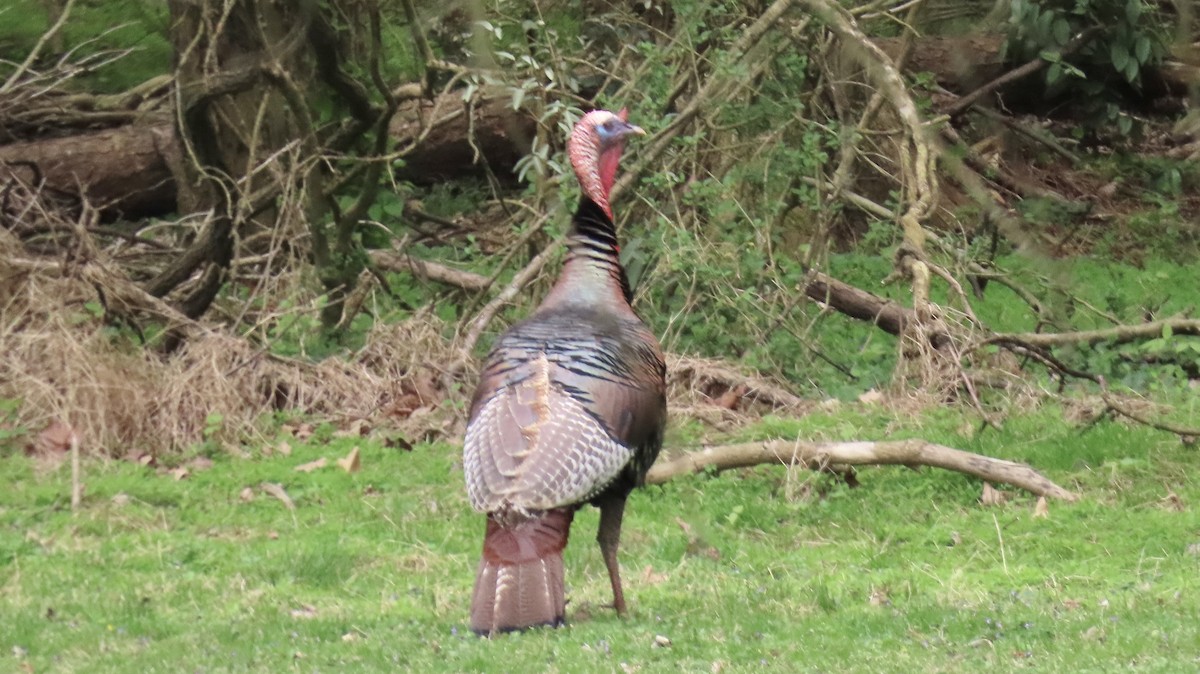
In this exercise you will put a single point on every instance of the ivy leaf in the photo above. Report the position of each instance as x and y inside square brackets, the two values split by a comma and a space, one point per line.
[1141, 49]
[1062, 31]
[1054, 74]
[1119, 55]
[1133, 10]
[1167, 331]
[1131, 70]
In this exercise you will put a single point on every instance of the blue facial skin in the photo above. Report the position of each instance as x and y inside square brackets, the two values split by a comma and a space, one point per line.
[614, 129]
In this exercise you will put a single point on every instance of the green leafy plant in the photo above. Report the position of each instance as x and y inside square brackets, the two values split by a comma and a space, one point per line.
[1095, 48]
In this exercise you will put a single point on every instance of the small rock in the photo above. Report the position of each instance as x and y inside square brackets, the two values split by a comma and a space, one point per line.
[661, 641]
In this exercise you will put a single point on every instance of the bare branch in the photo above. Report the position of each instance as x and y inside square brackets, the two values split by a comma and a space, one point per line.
[1116, 335]
[822, 455]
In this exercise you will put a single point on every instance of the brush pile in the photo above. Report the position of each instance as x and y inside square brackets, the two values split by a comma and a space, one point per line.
[86, 348]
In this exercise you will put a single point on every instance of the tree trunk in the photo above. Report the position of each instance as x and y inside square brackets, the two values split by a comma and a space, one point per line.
[137, 184]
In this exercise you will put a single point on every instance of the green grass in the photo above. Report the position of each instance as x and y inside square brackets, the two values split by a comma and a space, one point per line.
[777, 574]
[138, 25]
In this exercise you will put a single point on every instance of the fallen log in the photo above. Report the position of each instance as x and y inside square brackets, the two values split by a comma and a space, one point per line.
[124, 171]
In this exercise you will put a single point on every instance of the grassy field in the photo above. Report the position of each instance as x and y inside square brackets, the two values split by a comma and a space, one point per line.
[760, 570]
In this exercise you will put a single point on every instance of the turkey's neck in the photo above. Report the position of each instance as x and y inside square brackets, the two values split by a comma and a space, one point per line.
[592, 275]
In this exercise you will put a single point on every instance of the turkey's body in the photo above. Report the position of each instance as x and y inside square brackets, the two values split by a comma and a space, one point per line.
[569, 410]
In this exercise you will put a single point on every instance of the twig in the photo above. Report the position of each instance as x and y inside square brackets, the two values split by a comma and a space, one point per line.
[76, 473]
[1039, 136]
[1184, 432]
[756, 387]
[662, 140]
[489, 310]
[426, 269]
[1000, 537]
[819, 455]
[46, 37]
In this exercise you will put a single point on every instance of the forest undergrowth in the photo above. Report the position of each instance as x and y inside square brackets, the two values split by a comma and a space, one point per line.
[229, 432]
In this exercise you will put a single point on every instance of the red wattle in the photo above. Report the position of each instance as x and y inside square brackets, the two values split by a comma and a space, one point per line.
[608, 169]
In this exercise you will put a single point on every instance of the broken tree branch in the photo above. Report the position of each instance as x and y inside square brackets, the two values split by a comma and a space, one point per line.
[427, 269]
[1116, 335]
[821, 455]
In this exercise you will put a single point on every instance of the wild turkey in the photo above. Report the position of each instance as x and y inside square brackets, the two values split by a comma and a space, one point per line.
[569, 410]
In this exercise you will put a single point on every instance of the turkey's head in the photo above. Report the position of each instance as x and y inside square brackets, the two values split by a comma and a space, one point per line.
[595, 150]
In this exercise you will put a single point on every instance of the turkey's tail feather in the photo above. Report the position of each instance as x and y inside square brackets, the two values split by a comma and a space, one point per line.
[520, 579]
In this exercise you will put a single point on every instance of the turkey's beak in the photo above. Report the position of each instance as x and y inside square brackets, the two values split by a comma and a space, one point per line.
[634, 131]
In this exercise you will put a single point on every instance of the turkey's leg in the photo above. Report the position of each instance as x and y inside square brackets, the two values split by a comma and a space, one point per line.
[612, 510]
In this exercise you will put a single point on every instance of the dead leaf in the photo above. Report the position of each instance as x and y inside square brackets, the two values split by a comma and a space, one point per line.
[351, 462]
[731, 398]
[396, 441]
[312, 465]
[284, 448]
[178, 473]
[273, 535]
[872, 397]
[247, 495]
[356, 429]
[1042, 509]
[55, 438]
[276, 490]
[350, 636]
[425, 383]
[661, 641]
[992, 496]
[1071, 604]
[879, 598]
[121, 499]
[404, 405]
[199, 463]
[650, 577]
[1172, 502]
[304, 612]
[303, 432]
[687, 528]
[141, 458]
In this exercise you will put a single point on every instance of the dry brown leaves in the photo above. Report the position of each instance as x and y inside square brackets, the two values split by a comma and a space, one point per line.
[992, 496]
[63, 362]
